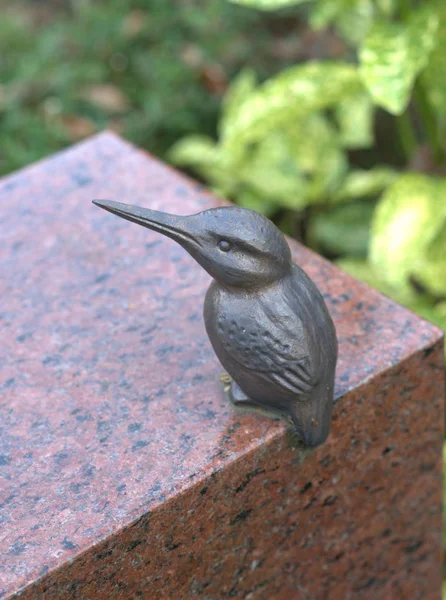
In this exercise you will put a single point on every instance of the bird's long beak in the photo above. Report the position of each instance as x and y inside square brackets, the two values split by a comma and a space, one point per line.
[176, 227]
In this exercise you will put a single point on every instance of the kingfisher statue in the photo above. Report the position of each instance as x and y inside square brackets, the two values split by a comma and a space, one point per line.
[265, 318]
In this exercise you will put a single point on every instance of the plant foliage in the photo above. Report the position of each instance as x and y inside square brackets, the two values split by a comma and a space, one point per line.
[289, 145]
[393, 54]
[153, 71]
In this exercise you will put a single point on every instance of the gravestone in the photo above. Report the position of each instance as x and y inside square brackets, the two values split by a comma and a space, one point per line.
[125, 472]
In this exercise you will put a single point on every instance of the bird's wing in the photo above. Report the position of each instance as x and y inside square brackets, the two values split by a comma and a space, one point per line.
[273, 344]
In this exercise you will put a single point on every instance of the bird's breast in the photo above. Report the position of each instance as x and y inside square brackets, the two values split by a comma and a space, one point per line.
[241, 329]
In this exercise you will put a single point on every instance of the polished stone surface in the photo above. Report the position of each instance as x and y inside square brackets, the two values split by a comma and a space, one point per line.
[125, 473]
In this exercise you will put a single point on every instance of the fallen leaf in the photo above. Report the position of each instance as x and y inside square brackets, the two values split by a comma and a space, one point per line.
[214, 79]
[78, 127]
[107, 97]
[134, 23]
[192, 56]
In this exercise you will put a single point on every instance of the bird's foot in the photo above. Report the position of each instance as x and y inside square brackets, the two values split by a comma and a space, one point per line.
[235, 393]
[239, 398]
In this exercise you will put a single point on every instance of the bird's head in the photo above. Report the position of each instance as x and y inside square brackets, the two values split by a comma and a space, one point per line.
[238, 247]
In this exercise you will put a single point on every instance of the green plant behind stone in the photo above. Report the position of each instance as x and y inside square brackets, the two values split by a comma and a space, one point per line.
[154, 71]
[291, 144]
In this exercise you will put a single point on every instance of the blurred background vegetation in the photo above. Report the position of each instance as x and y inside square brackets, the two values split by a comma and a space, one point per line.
[152, 70]
[327, 115]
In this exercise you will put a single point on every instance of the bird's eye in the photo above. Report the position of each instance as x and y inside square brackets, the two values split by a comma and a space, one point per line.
[224, 246]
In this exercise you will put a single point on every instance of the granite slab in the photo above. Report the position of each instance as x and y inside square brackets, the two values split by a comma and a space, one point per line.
[125, 472]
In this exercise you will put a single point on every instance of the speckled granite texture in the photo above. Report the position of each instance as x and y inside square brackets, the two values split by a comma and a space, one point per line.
[125, 473]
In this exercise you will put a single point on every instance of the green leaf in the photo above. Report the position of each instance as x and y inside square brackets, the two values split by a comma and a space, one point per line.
[194, 150]
[294, 93]
[351, 17]
[272, 171]
[434, 76]
[316, 149]
[423, 305]
[435, 313]
[325, 12]
[241, 87]
[354, 24]
[202, 154]
[293, 167]
[342, 230]
[249, 199]
[440, 315]
[362, 270]
[408, 218]
[366, 272]
[393, 54]
[430, 269]
[268, 4]
[363, 184]
[387, 7]
[287, 168]
[355, 119]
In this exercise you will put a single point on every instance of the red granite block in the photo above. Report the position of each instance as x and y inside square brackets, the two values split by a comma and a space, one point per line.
[125, 472]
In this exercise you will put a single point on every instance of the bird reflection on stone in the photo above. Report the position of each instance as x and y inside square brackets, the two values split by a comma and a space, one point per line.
[265, 318]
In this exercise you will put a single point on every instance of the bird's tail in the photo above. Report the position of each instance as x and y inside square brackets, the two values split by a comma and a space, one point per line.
[312, 417]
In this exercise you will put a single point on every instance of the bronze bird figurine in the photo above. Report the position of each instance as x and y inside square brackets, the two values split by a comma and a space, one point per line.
[265, 318]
